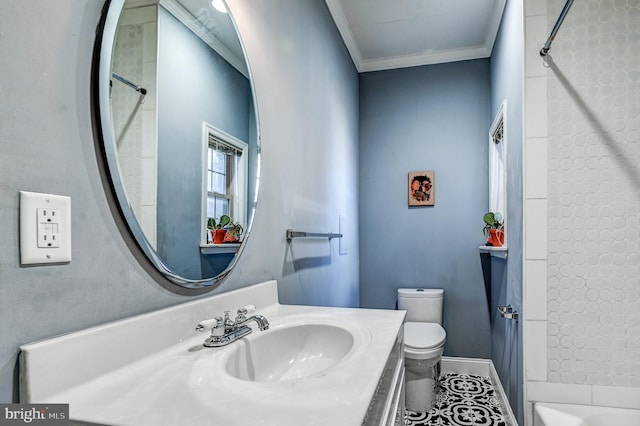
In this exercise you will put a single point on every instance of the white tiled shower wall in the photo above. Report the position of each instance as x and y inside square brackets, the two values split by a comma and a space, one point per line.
[582, 204]
[135, 116]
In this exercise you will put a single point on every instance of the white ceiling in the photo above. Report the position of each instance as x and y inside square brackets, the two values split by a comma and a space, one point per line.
[213, 27]
[387, 34]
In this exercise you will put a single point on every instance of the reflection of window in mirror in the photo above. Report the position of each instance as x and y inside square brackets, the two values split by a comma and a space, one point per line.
[222, 163]
[498, 165]
[225, 176]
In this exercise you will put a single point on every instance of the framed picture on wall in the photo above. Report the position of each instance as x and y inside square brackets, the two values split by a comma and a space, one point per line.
[421, 188]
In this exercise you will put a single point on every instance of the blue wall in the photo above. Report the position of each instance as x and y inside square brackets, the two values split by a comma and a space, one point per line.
[415, 119]
[217, 94]
[307, 95]
[507, 83]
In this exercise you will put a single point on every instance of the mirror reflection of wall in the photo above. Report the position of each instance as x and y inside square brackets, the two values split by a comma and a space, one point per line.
[189, 60]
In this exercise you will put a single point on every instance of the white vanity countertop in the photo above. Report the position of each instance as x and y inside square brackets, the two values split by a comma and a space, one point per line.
[182, 384]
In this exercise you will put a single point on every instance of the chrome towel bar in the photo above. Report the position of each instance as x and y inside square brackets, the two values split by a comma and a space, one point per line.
[291, 234]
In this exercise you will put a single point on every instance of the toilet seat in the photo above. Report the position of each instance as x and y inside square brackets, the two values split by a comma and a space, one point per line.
[423, 335]
[423, 340]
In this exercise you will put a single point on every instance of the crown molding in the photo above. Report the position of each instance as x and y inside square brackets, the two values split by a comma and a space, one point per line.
[426, 58]
[189, 21]
[430, 58]
[340, 19]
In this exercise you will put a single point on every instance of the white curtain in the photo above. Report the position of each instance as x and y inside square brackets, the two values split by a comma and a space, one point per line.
[497, 184]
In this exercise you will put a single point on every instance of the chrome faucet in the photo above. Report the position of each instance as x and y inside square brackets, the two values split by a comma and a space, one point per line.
[508, 312]
[226, 330]
[262, 322]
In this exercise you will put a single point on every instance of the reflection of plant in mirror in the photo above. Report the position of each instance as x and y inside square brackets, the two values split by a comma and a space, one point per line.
[234, 231]
[492, 221]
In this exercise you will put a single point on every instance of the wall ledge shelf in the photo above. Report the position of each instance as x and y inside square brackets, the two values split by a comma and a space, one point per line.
[500, 252]
[219, 248]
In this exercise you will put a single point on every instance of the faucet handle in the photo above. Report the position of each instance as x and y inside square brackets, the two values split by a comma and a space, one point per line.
[210, 323]
[242, 312]
[248, 309]
[505, 309]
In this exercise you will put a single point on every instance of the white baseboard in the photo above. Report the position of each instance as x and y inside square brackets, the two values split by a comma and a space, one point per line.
[476, 366]
[481, 367]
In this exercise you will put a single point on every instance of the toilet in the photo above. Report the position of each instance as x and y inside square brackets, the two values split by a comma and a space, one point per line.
[424, 340]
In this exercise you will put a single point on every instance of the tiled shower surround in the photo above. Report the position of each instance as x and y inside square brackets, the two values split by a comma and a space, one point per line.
[134, 115]
[582, 183]
[593, 272]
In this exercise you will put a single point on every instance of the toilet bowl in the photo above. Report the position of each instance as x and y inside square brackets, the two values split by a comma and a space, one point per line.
[424, 340]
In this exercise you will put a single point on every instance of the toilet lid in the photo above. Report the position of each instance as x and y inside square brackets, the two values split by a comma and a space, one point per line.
[423, 335]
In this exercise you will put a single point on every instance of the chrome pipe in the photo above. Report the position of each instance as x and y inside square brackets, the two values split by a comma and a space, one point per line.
[547, 46]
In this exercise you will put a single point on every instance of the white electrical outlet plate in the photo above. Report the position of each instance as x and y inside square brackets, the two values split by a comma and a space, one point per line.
[45, 228]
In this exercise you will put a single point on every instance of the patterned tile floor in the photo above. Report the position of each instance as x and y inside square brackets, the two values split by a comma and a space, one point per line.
[464, 400]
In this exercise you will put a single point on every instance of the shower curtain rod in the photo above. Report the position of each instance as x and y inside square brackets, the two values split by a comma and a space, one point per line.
[547, 46]
[137, 88]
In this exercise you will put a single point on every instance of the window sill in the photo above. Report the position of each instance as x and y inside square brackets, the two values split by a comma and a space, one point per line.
[500, 252]
[219, 248]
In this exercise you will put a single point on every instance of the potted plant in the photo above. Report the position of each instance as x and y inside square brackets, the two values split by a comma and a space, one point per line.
[217, 229]
[493, 228]
[234, 232]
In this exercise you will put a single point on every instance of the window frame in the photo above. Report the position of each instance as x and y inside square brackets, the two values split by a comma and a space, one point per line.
[238, 207]
[501, 204]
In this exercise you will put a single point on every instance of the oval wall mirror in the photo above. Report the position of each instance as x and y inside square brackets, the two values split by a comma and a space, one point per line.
[179, 133]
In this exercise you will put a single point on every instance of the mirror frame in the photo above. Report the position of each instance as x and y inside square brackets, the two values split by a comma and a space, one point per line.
[105, 138]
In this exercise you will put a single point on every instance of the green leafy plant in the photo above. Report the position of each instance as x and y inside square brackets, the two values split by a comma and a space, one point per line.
[224, 221]
[492, 221]
[235, 230]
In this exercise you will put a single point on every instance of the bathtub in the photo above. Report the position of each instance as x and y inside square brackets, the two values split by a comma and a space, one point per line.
[548, 414]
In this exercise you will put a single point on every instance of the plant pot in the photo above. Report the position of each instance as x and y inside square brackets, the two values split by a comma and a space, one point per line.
[496, 237]
[230, 238]
[217, 235]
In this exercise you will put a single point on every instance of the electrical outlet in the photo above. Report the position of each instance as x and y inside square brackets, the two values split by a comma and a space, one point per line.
[48, 227]
[45, 228]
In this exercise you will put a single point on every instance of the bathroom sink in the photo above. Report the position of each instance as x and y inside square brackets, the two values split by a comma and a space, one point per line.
[153, 369]
[289, 353]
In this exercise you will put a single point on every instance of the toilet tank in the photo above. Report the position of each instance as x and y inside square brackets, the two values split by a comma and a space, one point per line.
[421, 304]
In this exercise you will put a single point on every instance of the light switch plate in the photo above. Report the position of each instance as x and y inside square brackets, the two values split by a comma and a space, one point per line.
[45, 228]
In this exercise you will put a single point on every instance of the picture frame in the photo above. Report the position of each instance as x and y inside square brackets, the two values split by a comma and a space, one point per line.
[421, 188]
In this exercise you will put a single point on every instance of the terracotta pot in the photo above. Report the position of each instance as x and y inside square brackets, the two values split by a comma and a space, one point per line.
[218, 235]
[496, 237]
